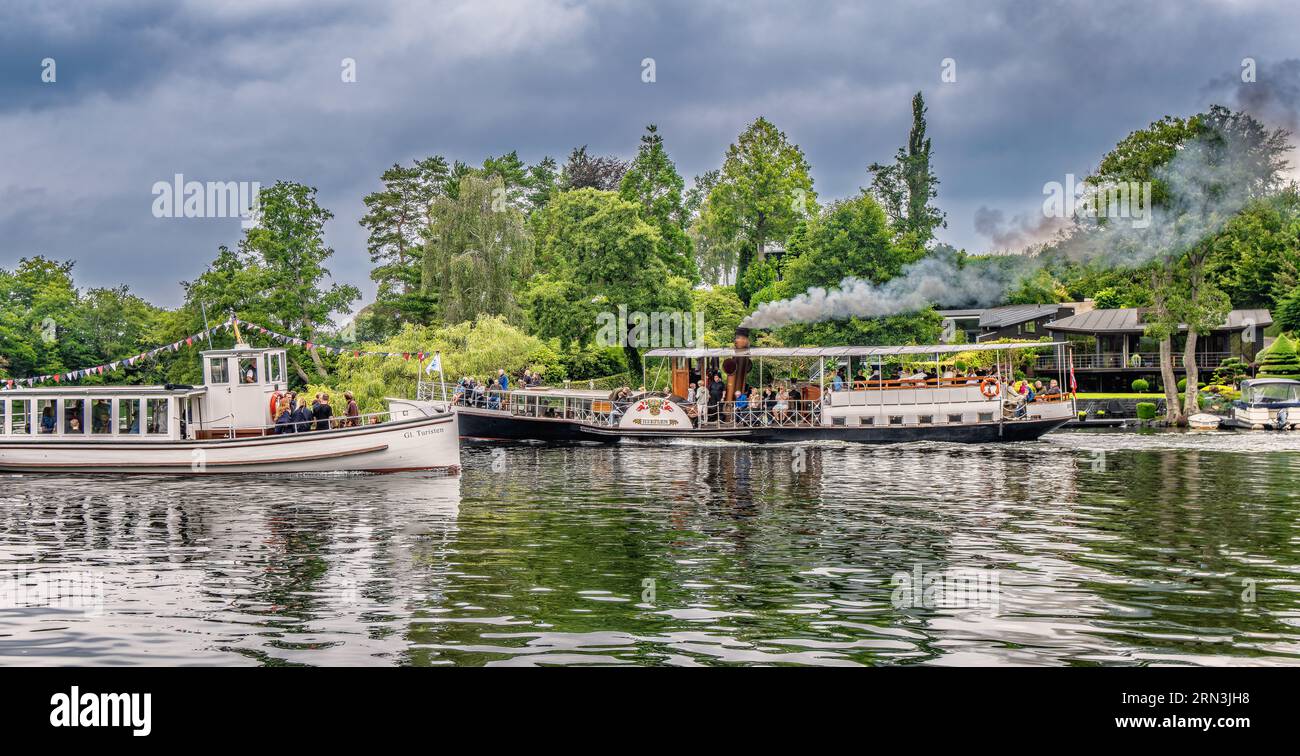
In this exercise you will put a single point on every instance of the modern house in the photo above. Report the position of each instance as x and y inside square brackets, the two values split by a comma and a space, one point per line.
[1027, 322]
[1110, 348]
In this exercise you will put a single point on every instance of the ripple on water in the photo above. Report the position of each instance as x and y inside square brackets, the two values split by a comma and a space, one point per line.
[1083, 548]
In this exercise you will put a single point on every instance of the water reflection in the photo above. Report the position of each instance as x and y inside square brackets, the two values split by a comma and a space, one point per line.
[1107, 548]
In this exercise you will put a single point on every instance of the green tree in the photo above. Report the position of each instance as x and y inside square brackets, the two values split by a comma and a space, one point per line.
[598, 253]
[851, 239]
[476, 249]
[906, 187]
[1280, 360]
[1287, 314]
[395, 219]
[278, 276]
[652, 182]
[764, 190]
[722, 310]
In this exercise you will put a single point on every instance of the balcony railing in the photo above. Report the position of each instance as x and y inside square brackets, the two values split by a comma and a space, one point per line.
[1136, 360]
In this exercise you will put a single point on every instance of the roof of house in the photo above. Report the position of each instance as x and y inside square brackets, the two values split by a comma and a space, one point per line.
[1131, 320]
[846, 351]
[999, 317]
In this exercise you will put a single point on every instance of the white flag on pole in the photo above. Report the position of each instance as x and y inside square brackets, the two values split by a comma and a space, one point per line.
[435, 363]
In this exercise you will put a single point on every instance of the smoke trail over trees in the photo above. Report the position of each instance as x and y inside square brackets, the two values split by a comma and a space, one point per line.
[1232, 160]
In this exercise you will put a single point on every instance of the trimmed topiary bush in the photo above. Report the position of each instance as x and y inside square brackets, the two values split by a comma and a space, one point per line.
[1280, 360]
[1146, 410]
[1182, 385]
[1140, 386]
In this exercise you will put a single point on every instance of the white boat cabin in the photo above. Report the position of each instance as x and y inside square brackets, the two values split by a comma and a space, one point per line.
[234, 401]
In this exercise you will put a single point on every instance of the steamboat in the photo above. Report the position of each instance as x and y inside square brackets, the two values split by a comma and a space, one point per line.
[223, 426]
[843, 394]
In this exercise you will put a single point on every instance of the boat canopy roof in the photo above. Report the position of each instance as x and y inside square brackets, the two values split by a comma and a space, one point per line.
[846, 351]
[119, 389]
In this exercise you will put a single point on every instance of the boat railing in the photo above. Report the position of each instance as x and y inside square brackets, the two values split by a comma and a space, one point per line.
[802, 413]
[336, 423]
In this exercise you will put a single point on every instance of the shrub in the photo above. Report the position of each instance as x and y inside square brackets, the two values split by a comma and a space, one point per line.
[1182, 385]
[1140, 386]
[1280, 360]
[1146, 410]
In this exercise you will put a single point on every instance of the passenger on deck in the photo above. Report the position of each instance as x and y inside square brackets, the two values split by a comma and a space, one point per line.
[352, 415]
[716, 389]
[838, 383]
[283, 417]
[302, 416]
[47, 420]
[1053, 389]
[323, 412]
[742, 408]
[503, 381]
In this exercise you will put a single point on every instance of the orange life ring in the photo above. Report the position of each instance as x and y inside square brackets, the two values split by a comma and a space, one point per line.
[989, 387]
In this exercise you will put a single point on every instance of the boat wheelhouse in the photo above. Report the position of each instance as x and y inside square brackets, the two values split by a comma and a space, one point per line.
[1267, 403]
[865, 394]
[225, 425]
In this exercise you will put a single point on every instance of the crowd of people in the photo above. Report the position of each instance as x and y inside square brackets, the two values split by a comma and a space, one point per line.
[295, 413]
[475, 392]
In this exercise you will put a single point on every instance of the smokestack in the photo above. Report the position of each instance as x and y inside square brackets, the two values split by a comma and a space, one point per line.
[737, 368]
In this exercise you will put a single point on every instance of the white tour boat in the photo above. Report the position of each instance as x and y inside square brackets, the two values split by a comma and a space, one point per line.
[223, 426]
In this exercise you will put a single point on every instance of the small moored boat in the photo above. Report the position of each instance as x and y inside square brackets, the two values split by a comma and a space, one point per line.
[1267, 403]
[223, 426]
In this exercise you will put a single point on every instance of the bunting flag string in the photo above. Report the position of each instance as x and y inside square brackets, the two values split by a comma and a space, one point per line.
[175, 346]
[287, 340]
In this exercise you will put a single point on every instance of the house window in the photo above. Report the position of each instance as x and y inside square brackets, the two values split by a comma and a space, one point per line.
[128, 416]
[217, 367]
[1031, 326]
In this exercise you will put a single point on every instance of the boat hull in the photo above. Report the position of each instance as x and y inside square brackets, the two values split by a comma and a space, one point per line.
[488, 425]
[420, 443]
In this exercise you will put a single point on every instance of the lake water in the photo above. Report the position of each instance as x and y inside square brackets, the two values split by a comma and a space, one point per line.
[1084, 548]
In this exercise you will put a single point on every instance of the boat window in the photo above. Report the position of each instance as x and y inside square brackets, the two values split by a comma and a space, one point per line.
[986, 417]
[19, 416]
[156, 419]
[926, 419]
[101, 416]
[838, 420]
[4, 417]
[74, 415]
[45, 410]
[867, 420]
[274, 368]
[217, 367]
[247, 370]
[954, 418]
[128, 416]
[1272, 393]
[895, 419]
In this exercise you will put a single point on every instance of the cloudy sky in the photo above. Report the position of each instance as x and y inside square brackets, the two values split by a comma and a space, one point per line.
[251, 90]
